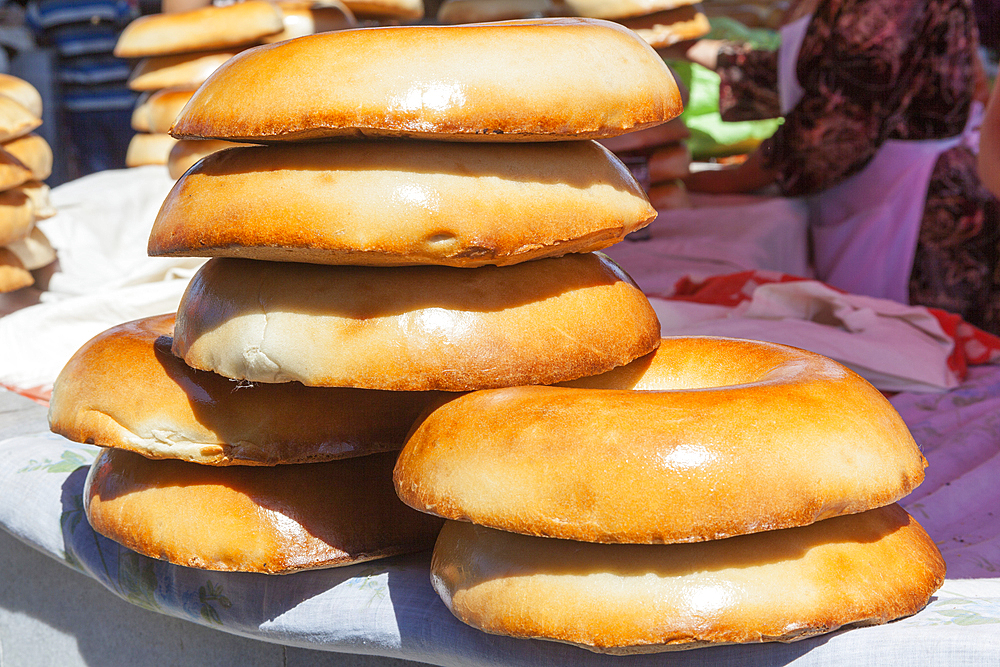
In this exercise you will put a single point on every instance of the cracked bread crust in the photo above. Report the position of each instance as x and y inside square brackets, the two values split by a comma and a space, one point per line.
[124, 389]
[413, 328]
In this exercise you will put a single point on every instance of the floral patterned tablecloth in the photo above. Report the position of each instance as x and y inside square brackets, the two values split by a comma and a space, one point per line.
[389, 608]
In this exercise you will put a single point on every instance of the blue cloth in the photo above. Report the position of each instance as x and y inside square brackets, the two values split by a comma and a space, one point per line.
[100, 137]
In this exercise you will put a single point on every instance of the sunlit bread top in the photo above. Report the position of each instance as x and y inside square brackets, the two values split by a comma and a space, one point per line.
[703, 439]
[539, 80]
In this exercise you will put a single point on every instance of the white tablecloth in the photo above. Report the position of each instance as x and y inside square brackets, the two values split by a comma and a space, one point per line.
[388, 607]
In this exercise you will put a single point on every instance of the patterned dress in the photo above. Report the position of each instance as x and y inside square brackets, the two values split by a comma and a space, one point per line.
[874, 70]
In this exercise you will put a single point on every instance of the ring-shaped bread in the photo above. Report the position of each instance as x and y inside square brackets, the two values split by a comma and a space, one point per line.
[785, 585]
[125, 389]
[544, 80]
[704, 439]
[413, 327]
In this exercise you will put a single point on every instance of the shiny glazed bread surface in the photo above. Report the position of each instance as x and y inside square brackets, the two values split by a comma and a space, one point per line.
[784, 585]
[401, 203]
[703, 439]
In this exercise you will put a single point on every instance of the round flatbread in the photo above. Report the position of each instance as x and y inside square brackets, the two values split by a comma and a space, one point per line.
[540, 80]
[704, 439]
[202, 29]
[125, 389]
[251, 519]
[413, 328]
[862, 569]
[401, 203]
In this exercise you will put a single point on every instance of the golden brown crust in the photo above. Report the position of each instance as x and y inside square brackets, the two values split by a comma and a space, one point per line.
[22, 92]
[186, 152]
[401, 203]
[201, 29]
[125, 389]
[15, 120]
[420, 82]
[13, 275]
[140, 113]
[34, 153]
[669, 27]
[413, 328]
[188, 70]
[411, 10]
[704, 439]
[307, 18]
[250, 519]
[147, 149]
[17, 216]
[162, 107]
[13, 172]
[862, 569]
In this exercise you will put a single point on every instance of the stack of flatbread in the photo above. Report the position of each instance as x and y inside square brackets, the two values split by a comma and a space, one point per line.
[717, 491]
[412, 250]
[356, 279]
[25, 161]
[179, 51]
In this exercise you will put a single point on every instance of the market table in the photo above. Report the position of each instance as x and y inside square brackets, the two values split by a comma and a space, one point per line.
[388, 608]
[71, 591]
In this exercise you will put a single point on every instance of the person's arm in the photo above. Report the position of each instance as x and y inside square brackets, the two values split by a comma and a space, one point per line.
[701, 51]
[749, 176]
[989, 144]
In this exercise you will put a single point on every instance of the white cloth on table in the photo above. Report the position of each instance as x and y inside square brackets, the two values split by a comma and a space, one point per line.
[104, 278]
[893, 346]
[720, 234]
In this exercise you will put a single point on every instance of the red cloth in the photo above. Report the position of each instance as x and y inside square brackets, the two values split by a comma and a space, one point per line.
[972, 345]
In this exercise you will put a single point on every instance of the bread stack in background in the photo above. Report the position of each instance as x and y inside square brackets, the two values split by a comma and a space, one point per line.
[178, 52]
[25, 161]
[661, 23]
[355, 279]
[308, 17]
[181, 50]
[386, 12]
[717, 491]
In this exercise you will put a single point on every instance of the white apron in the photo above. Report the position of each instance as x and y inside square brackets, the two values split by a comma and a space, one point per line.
[865, 229]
